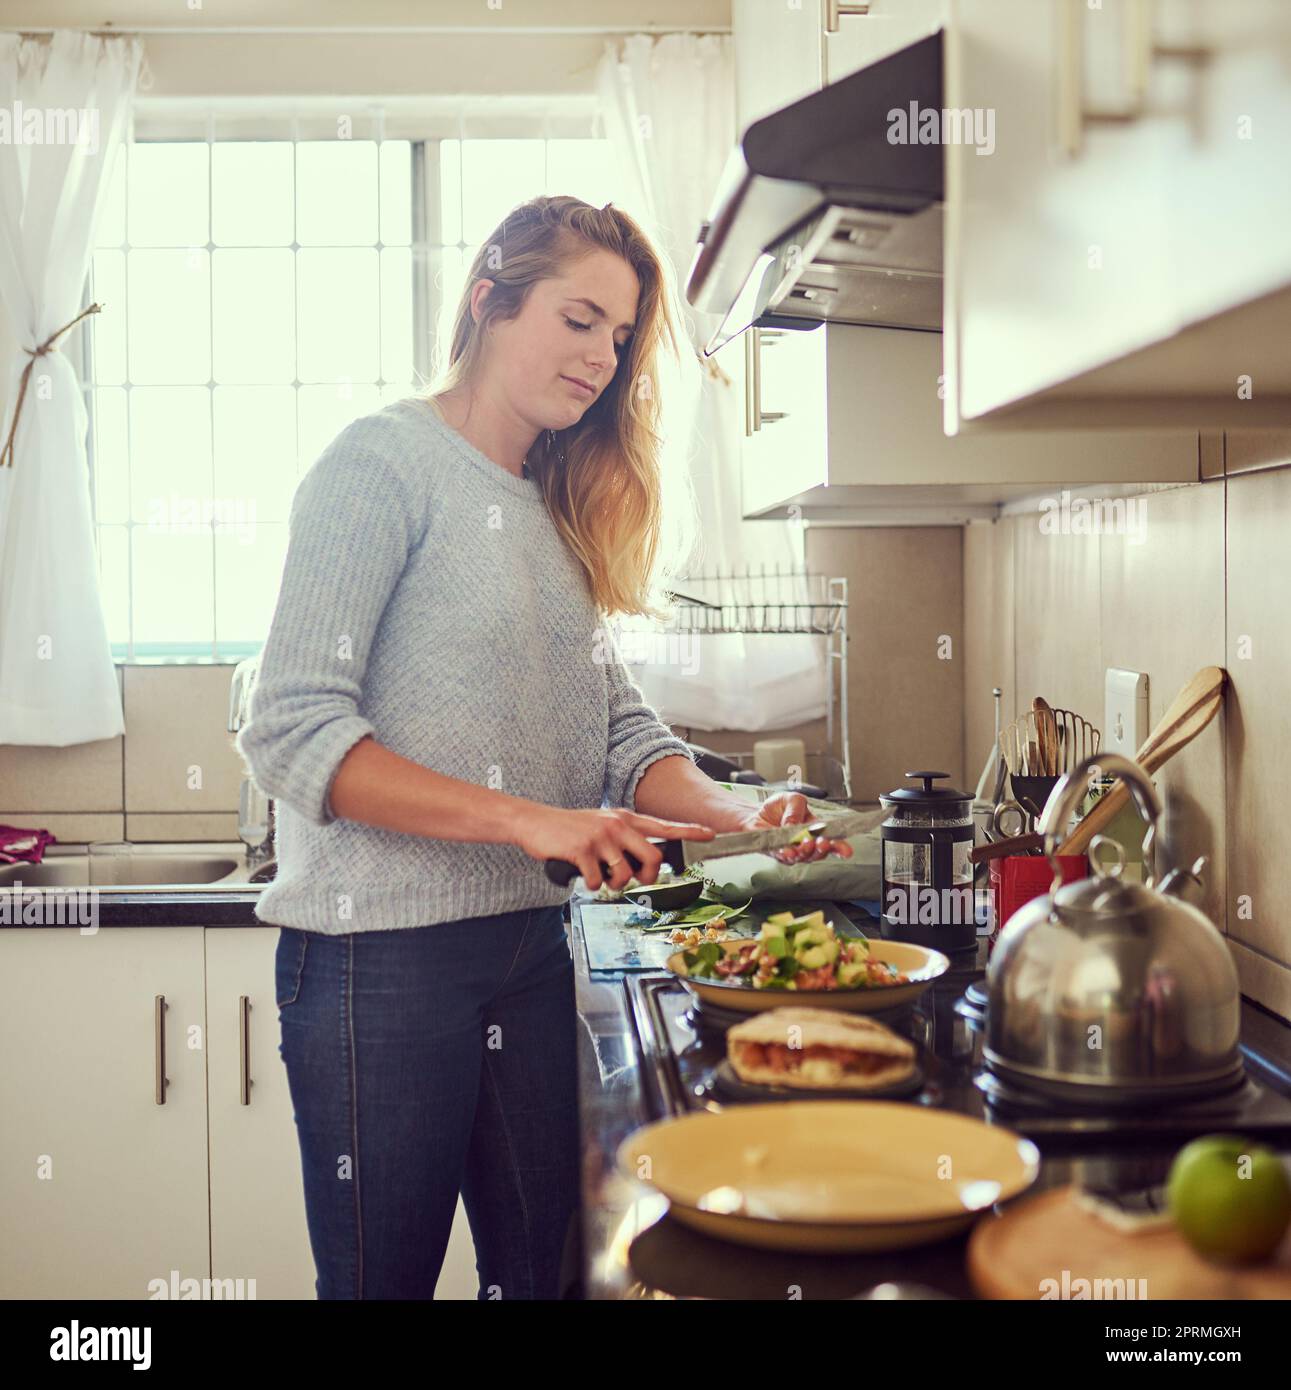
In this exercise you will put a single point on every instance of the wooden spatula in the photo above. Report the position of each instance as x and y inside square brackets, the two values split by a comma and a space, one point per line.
[1193, 708]
[1047, 735]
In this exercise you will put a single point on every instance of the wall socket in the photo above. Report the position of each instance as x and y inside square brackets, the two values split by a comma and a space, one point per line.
[1125, 712]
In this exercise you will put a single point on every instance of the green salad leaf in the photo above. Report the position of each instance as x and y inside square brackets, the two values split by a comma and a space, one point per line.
[703, 958]
[697, 914]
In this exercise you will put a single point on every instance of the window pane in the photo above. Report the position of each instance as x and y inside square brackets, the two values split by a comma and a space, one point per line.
[248, 575]
[173, 586]
[169, 194]
[109, 327]
[582, 168]
[170, 316]
[396, 315]
[450, 191]
[170, 452]
[114, 581]
[496, 175]
[336, 193]
[400, 390]
[337, 323]
[252, 184]
[111, 456]
[255, 452]
[448, 270]
[396, 192]
[255, 316]
[111, 230]
[324, 411]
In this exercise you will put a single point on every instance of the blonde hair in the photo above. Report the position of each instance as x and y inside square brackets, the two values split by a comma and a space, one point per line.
[600, 478]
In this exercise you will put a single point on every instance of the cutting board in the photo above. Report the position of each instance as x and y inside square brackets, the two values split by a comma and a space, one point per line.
[1038, 1238]
[612, 943]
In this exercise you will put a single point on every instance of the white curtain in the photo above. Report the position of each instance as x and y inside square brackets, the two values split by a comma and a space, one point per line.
[67, 101]
[668, 105]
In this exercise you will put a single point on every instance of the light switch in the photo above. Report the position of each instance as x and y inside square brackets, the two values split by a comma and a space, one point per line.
[1125, 712]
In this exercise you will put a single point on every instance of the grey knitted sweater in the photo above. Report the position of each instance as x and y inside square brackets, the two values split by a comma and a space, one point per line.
[428, 600]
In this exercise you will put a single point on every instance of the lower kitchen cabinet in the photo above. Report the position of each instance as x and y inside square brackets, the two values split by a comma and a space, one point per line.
[106, 1187]
[258, 1228]
[102, 1189]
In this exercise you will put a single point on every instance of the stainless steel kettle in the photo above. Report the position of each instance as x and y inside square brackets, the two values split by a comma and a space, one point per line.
[1110, 990]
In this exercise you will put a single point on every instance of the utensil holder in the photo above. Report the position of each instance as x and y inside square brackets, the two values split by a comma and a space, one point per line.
[1021, 877]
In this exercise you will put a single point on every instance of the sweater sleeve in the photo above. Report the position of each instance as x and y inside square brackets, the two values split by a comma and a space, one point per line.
[353, 523]
[637, 737]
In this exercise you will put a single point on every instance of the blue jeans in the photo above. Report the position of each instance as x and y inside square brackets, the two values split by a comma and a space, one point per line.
[423, 1062]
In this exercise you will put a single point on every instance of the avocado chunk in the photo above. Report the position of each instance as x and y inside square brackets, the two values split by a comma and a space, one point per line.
[812, 936]
[817, 955]
[851, 972]
[809, 919]
[779, 919]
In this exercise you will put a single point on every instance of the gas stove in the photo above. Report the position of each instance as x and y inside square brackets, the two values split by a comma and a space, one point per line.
[682, 1046]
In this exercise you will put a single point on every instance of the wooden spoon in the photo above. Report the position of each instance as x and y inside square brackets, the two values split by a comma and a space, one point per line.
[1193, 708]
[1002, 849]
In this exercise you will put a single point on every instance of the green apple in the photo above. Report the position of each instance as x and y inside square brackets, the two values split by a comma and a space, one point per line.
[1230, 1198]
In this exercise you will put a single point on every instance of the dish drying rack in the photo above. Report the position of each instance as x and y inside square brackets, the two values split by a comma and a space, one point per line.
[749, 601]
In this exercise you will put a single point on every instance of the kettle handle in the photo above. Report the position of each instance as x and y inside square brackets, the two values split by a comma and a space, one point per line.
[1066, 796]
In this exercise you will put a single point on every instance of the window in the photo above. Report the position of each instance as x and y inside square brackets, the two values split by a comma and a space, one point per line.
[260, 294]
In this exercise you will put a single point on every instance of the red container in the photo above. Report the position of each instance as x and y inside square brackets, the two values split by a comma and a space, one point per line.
[1021, 877]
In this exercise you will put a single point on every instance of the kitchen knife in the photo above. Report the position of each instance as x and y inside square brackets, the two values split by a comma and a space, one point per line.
[681, 854]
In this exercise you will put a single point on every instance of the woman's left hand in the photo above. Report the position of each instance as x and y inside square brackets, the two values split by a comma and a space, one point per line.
[784, 808]
[790, 808]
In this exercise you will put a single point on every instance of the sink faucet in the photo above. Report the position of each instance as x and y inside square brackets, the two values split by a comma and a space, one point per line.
[256, 819]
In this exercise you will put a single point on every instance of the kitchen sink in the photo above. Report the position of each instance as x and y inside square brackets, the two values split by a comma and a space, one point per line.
[149, 868]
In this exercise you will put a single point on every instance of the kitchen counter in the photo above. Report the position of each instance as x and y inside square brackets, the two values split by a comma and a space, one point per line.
[634, 1250]
[121, 907]
[631, 1247]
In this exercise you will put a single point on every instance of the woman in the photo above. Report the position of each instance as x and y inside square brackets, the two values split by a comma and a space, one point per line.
[438, 711]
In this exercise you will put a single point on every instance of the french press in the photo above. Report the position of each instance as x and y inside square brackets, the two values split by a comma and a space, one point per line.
[927, 873]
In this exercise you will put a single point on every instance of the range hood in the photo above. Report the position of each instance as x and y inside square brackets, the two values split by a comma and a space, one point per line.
[820, 217]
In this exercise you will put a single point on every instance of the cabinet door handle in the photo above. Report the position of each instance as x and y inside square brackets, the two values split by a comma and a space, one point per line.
[835, 10]
[759, 416]
[1142, 51]
[159, 1049]
[755, 376]
[748, 382]
[244, 1050]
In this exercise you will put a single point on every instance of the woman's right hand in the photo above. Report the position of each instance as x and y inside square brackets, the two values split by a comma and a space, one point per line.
[589, 839]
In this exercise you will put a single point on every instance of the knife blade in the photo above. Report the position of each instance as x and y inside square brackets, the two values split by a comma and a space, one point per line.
[774, 837]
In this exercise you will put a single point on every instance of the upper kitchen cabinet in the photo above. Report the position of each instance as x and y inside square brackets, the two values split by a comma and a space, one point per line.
[784, 50]
[777, 55]
[1117, 253]
[857, 35]
[843, 425]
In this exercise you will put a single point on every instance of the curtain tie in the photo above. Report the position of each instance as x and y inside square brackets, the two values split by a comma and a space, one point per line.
[6, 454]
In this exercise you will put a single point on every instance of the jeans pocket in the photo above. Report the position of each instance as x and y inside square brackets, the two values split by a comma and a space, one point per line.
[289, 965]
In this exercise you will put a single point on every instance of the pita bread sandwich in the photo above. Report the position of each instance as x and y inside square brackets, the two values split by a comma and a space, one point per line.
[818, 1050]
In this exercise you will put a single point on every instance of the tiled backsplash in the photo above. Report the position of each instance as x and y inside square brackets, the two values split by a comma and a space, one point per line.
[1207, 584]
[173, 776]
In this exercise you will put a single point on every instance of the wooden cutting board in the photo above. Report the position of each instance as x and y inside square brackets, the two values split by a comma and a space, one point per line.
[1036, 1239]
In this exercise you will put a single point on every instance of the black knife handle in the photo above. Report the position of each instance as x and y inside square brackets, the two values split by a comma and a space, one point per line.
[562, 873]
